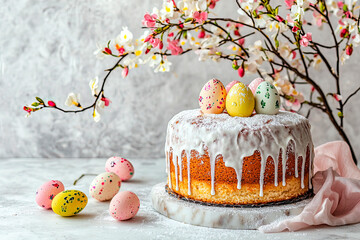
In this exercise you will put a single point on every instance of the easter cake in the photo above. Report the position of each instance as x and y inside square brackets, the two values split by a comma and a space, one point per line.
[223, 158]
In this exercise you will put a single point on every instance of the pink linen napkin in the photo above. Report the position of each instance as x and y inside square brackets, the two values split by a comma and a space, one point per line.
[337, 191]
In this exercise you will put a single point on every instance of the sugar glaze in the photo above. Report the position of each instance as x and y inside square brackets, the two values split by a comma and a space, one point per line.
[235, 138]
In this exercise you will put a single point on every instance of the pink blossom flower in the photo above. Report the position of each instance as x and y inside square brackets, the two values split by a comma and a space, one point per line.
[27, 109]
[149, 20]
[337, 97]
[121, 49]
[174, 47]
[289, 3]
[241, 71]
[148, 38]
[108, 51]
[201, 34]
[154, 42]
[280, 19]
[340, 4]
[106, 101]
[200, 17]
[295, 29]
[305, 40]
[125, 72]
[344, 33]
[348, 14]
[51, 104]
[294, 104]
[242, 41]
[349, 50]
[213, 3]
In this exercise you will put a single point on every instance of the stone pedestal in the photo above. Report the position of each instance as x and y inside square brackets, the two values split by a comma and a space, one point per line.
[220, 217]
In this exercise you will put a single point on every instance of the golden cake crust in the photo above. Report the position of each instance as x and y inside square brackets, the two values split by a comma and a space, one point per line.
[226, 182]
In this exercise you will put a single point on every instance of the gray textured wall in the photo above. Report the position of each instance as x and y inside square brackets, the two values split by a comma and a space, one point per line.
[46, 50]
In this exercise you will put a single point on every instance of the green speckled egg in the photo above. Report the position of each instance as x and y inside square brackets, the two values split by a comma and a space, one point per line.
[69, 202]
[267, 99]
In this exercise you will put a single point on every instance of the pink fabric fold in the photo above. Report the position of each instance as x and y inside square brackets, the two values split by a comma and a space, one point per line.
[337, 191]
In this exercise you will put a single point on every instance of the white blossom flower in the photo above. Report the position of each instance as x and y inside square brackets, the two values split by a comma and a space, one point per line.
[94, 86]
[164, 66]
[125, 37]
[73, 99]
[98, 110]
[317, 62]
[99, 52]
[153, 60]
[167, 10]
[276, 26]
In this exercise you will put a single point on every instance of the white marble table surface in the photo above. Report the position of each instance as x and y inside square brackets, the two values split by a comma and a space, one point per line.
[21, 218]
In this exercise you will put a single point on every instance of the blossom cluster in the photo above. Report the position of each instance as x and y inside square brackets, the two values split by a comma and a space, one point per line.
[283, 53]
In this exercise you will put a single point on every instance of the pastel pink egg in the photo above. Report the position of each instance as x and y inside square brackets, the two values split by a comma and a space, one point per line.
[124, 205]
[105, 186]
[212, 97]
[254, 84]
[46, 193]
[121, 167]
[230, 85]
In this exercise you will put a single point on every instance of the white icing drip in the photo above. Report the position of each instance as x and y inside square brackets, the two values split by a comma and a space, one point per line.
[235, 138]
[303, 172]
[180, 167]
[168, 169]
[188, 157]
[175, 160]
[310, 166]
[262, 172]
[283, 162]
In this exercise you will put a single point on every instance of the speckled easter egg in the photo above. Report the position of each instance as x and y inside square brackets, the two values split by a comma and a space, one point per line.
[69, 202]
[230, 85]
[267, 99]
[124, 205]
[254, 84]
[212, 97]
[240, 101]
[122, 167]
[105, 186]
[46, 193]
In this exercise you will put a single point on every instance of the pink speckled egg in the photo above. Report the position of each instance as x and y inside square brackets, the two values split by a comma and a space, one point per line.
[105, 186]
[124, 205]
[46, 193]
[122, 167]
[229, 86]
[254, 84]
[212, 97]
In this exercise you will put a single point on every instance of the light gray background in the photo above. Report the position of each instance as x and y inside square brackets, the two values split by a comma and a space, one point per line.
[46, 50]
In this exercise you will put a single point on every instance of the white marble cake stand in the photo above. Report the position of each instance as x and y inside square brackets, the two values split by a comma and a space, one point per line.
[220, 217]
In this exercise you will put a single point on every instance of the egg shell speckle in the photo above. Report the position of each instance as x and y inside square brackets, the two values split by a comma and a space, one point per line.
[124, 205]
[46, 193]
[69, 203]
[267, 99]
[105, 186]
[254, 84]
[240, 101]
[212, 97]
[121, 167]
[230, 85]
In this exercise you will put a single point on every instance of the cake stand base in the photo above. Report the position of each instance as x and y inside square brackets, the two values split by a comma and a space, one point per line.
[220, 217]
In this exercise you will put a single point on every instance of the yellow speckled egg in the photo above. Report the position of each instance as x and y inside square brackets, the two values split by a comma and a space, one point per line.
[240, 101]
[69, 202]
[267, 99]
[212, 97]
